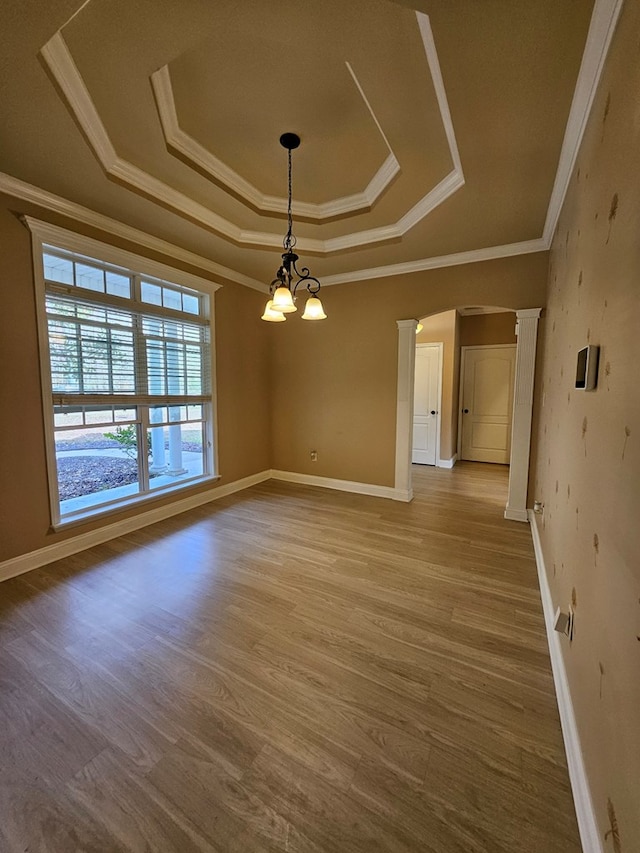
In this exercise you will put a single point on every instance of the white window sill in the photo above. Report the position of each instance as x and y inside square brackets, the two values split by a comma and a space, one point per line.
[137, 500]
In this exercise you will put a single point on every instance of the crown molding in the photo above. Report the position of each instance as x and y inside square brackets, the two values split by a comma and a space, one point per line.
[431, 53]
[191, 150]
[56, 204]
[34, 195]
[58, 59]
[604, 19]
[603, 23]
[60, 62]
[474, 256]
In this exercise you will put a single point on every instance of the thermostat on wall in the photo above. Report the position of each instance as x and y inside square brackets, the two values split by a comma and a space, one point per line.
[587, 368]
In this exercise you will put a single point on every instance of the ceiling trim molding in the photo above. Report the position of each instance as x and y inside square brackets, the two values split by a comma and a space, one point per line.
[180, 141]
[60, 62]
[61, 65]
[56, 204]
[604, 19]
[603, 22]
[474, 256]
[424, 24]
[58, 58]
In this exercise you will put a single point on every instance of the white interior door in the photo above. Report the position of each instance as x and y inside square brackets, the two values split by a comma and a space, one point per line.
[488, 376]
[426, 404]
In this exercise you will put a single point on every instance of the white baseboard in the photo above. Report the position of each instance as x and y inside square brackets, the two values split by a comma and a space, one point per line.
[59, 550]
[516, 514]
[447, 463]
[587, 823]
[344, 485]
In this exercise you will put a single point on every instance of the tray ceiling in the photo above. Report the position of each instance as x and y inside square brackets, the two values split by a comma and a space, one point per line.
[429, 131]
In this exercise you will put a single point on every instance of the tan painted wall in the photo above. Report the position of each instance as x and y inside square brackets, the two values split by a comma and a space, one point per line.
[334, 383]
[587, 470]
[242, 381]
[444, 327]
[481, 330]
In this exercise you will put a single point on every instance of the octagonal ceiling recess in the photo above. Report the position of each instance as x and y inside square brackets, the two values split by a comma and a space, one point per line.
[67, 75]
[197, 155]
[178, 109]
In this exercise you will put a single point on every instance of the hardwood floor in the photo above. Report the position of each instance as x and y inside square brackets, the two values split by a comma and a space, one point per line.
[288, 669]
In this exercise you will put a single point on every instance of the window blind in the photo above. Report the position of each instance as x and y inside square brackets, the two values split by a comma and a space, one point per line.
[120, 352]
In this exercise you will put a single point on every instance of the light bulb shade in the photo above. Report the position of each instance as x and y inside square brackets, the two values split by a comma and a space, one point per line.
[419, 328]
[313, 310]
[272, 316]
[283, 300]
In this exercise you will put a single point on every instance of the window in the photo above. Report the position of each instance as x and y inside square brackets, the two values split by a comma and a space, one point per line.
[126, 363]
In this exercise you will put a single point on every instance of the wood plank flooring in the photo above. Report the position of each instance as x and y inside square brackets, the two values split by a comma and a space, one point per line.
[288, 669]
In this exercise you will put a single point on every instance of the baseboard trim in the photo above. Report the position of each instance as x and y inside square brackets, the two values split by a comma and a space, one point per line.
[448, 463]
[344, 485]
[50, 553]
[516, 514]
[587, 823]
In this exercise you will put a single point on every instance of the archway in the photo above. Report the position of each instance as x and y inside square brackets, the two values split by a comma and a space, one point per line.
[526, 332]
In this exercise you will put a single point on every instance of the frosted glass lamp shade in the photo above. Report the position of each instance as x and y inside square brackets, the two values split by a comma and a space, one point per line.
[419, 328]
[272, 316]
[313, 309]
[283, 300]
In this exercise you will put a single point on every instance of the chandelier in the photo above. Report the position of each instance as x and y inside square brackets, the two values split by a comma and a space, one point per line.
[282, 290]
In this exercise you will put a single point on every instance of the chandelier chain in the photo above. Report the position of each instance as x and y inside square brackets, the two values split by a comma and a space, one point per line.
[288, 278]
[289, 240]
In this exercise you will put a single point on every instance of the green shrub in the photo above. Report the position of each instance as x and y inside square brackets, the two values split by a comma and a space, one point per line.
[127, 438]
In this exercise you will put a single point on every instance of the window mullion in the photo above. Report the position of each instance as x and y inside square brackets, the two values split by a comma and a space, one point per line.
[80, 357]
[140, 366]
[143, 455]
[110, 360]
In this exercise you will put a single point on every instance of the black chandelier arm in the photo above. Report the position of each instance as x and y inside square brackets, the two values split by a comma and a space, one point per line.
[310, 282]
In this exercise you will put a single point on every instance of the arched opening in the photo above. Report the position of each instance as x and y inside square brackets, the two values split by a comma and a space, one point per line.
[526, 332]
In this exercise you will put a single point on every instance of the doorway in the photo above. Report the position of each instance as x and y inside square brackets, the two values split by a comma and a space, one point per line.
[427, 404]
[527, 327]
[487, 378]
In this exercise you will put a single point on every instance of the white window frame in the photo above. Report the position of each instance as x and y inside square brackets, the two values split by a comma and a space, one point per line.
[44, 234]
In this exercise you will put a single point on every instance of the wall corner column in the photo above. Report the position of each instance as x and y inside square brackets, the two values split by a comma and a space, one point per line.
[527, 332]
[404, 409]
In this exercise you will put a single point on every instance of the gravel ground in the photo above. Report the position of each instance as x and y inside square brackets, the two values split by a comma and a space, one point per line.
[85, 475]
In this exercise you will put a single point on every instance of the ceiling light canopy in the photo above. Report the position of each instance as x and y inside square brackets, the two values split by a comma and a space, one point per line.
[282, 289]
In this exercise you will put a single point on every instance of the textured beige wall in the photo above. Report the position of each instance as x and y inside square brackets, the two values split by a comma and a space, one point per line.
[443, 327]
[587, 470]
[242, 369]
[334, 383]
[486, 329]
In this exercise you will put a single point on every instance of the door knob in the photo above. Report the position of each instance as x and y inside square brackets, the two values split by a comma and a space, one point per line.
[433, 412]
[466, 411]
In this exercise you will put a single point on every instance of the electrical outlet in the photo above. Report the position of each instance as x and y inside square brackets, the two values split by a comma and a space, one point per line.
[314, 455]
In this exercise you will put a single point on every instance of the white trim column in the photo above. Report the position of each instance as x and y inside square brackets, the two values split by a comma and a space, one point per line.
[404, 408]
[527, 332]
